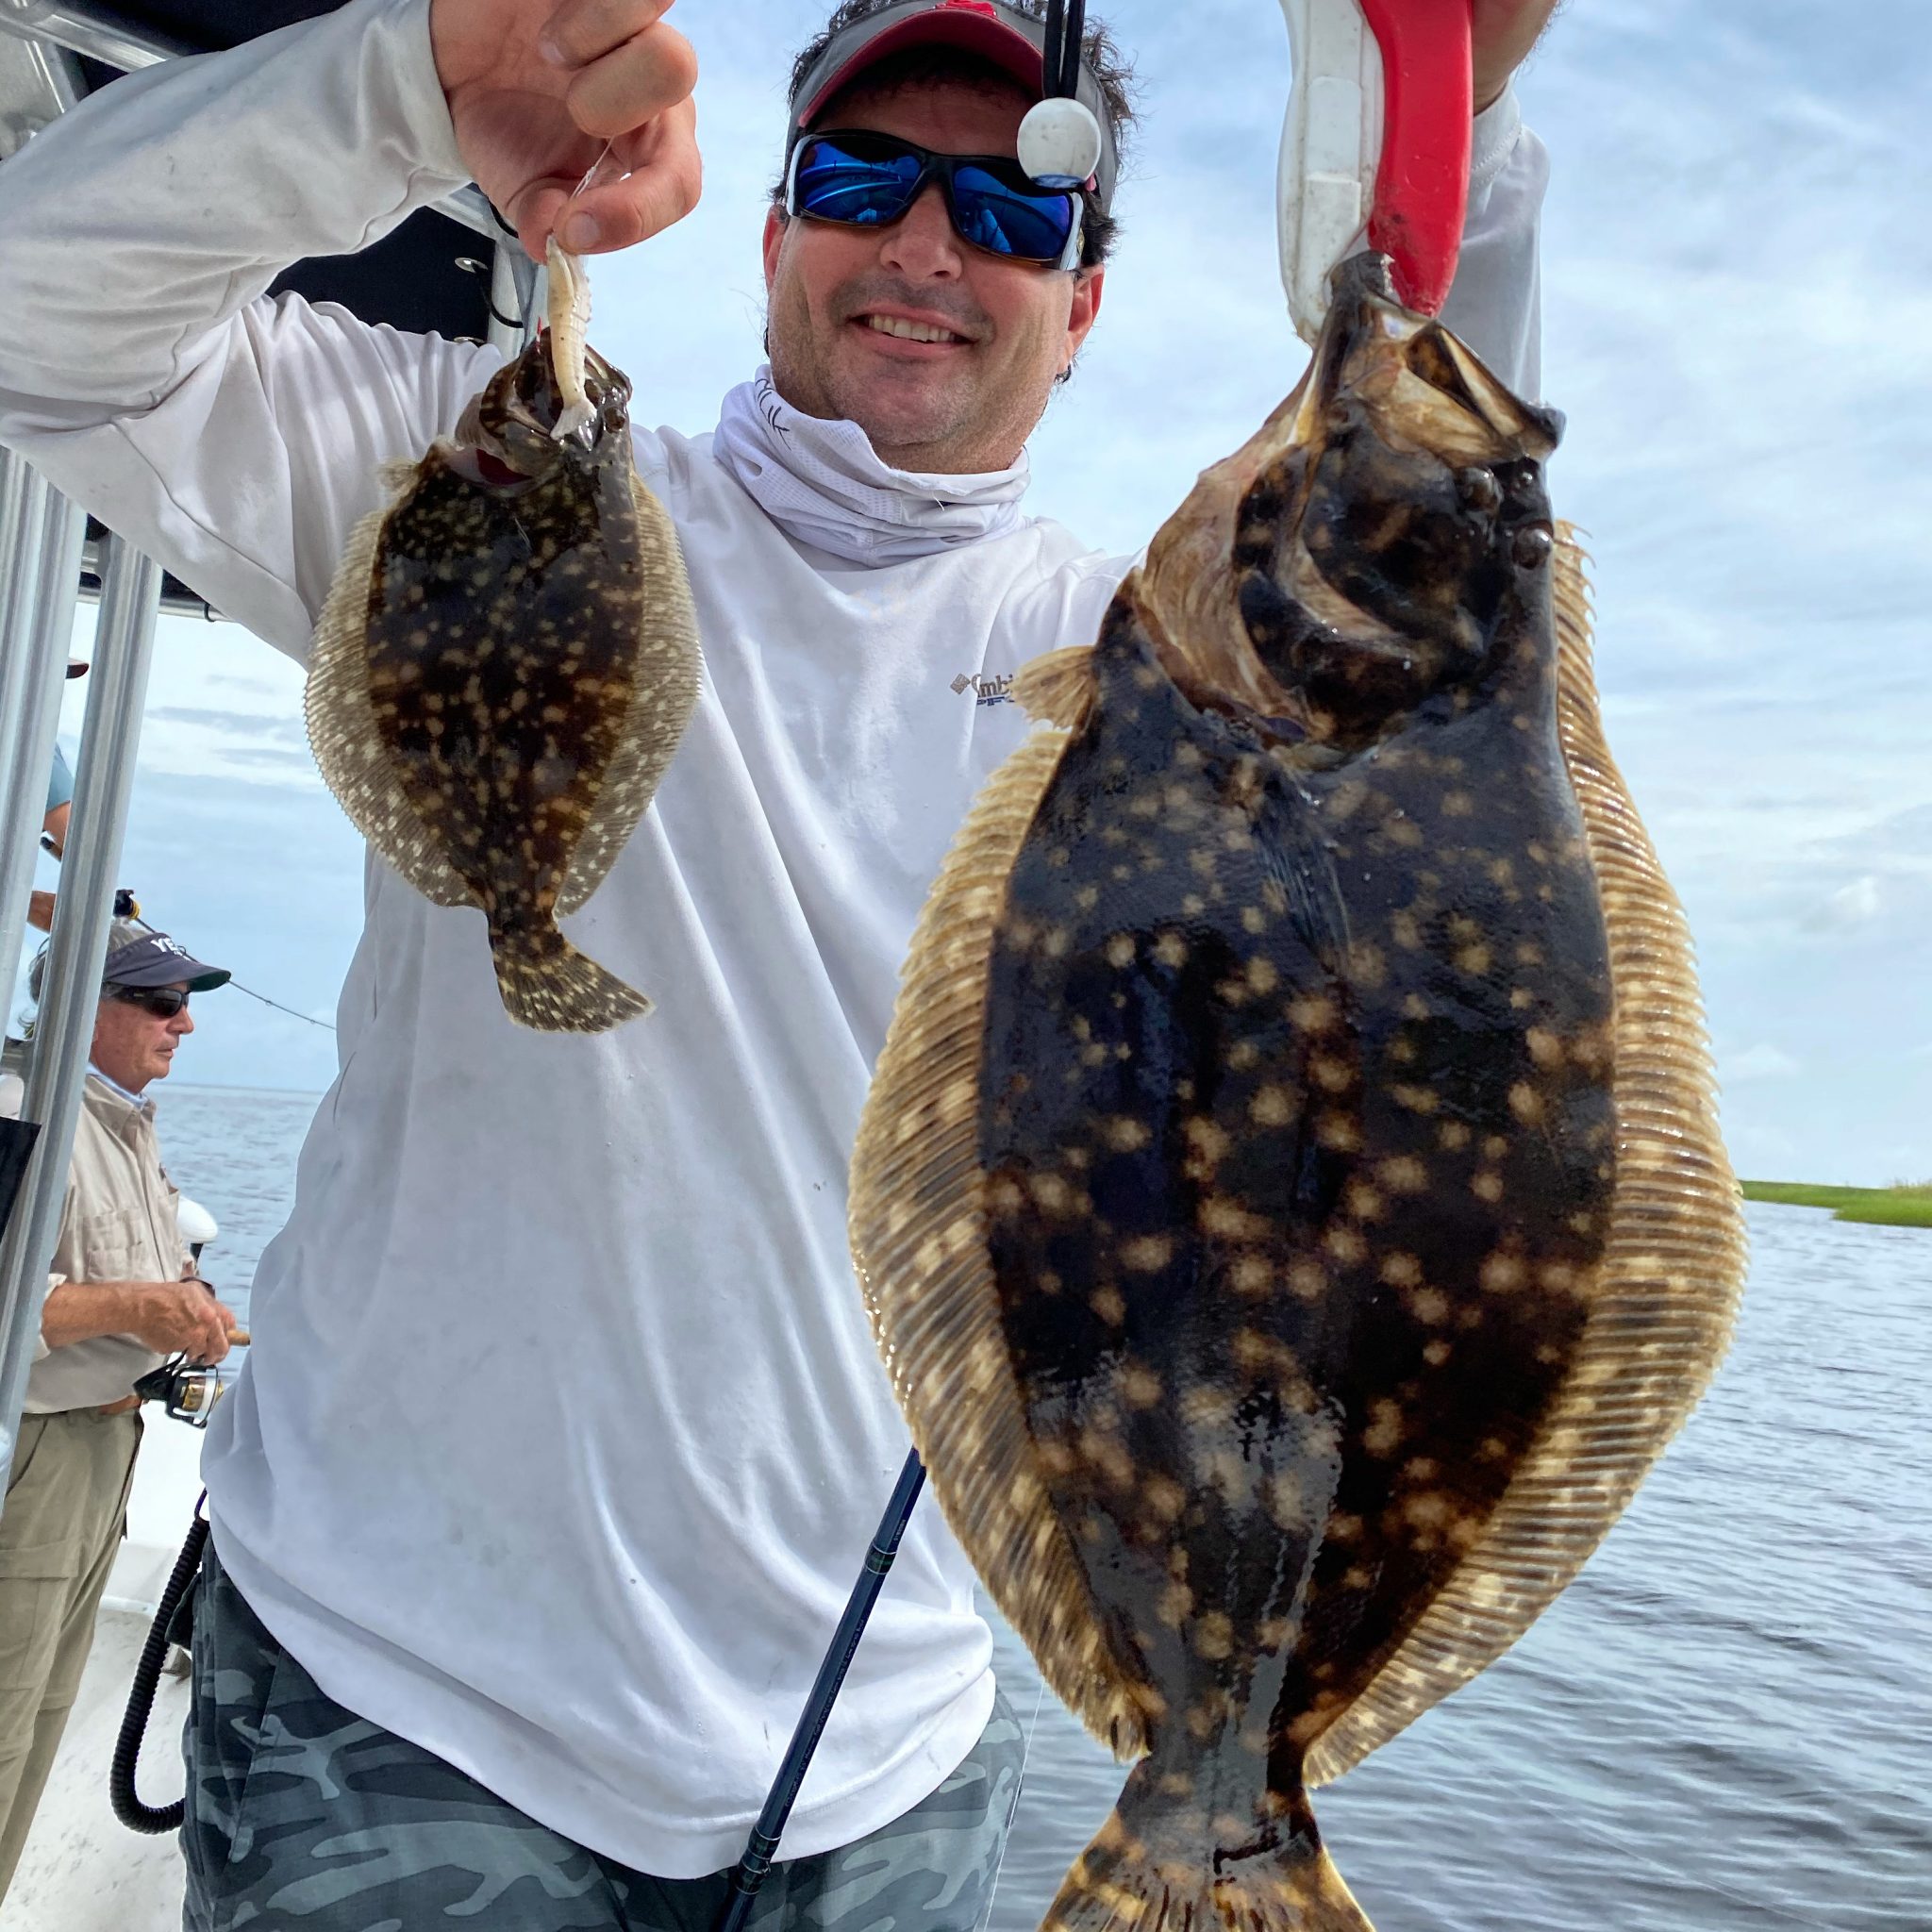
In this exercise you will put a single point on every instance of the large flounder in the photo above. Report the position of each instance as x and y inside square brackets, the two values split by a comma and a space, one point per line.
[507, 662]
[1291, 1200]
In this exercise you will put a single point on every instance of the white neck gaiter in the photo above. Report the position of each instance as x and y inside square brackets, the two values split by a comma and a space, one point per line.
[822, 484]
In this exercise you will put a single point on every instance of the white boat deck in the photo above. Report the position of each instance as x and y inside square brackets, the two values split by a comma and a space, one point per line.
[83, 1870]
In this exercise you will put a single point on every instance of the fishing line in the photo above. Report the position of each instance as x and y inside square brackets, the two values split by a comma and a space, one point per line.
[1567, 1822]
[1738, 1898]
[133, 916]
[992, 1891]
[308, 1018]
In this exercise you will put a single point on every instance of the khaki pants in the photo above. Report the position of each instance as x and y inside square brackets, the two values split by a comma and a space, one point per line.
[66, 1508]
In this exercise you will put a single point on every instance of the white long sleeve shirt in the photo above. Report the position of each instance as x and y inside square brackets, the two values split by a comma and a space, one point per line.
[563, 1433]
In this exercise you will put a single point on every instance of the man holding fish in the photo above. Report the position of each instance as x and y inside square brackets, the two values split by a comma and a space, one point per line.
[482, 1634]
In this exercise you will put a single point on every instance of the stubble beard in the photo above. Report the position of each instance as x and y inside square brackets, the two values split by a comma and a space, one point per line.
[958, 425]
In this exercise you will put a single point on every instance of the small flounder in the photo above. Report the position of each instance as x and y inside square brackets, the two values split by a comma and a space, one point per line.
[1291, 1202]
[507, 661]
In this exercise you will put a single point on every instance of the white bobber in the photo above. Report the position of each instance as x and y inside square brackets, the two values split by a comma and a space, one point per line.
[1059, 144]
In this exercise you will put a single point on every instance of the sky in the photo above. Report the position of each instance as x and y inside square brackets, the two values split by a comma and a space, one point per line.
[1738, 299]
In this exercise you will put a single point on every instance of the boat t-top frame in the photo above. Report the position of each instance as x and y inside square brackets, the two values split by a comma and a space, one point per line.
[454, 270]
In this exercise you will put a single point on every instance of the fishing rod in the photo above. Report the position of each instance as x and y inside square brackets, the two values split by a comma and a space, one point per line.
[762, 1848]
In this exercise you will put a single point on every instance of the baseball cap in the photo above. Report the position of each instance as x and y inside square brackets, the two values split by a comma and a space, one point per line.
[1012, 40]
[139, 957]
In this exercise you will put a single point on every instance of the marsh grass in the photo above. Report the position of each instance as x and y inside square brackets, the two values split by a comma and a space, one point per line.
[1900, 1207]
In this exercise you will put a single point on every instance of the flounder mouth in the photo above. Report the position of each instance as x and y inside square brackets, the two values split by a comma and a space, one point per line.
[1423, 389]
[1371, 531]
[505, 437]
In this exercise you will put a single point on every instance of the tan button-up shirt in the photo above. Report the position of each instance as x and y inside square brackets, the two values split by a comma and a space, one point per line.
[117, 1223]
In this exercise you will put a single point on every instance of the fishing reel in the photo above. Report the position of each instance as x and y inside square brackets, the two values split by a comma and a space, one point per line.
[185, 1391]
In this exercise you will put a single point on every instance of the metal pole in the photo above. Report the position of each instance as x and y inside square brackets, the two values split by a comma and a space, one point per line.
[58, 75]
[761, 1849]
[70, 990]
[42, 641]
[103, 33]
[22, 498]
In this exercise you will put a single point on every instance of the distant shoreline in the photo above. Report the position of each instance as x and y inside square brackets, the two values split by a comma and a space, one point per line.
[1875, 1207]
[312, 1093]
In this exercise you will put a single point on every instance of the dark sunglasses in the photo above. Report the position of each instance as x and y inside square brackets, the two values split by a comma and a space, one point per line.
[861, 180]
[163, 1001]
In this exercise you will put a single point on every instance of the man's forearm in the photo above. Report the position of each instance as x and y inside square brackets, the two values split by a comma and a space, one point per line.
[159, 208]
[234, 443]
[83, 1310]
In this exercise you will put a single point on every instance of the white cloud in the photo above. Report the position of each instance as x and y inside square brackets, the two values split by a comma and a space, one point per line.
[1760, 1062]
[1857, 904]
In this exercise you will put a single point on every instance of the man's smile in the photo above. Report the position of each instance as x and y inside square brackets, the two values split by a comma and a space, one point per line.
[919, 336]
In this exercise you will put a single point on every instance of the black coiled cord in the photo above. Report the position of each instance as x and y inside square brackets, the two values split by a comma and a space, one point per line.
[150, 1819]
[1066, 36]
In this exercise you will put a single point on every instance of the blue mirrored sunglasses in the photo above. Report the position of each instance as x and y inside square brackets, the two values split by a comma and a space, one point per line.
[862, 179]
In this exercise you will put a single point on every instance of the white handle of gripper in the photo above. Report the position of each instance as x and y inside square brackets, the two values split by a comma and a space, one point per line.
[193, 1222]
[1330, 149]
[1059, 144]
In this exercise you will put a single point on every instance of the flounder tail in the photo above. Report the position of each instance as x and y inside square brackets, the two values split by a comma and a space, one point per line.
[549, 986]
[1147, 1871]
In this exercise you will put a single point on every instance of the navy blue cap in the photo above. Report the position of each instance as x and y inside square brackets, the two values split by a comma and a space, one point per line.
[140, 959]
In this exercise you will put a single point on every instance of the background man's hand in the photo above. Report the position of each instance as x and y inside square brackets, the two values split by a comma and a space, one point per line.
[40, 911]
[1506, 30]
[536, 88]
[180, 1317]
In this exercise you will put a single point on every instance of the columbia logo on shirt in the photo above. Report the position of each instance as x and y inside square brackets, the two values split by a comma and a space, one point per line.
[986, 691]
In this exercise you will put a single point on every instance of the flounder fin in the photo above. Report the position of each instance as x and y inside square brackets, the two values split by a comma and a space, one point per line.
[1152, 1869]
[355, 763]
[1059, 688]
[550, 987]
[1666, 1292]
[919, 1241]
[670, 669]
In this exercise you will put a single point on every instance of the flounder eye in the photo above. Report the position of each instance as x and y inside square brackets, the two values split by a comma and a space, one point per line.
[1532, 547]
[1479, 490]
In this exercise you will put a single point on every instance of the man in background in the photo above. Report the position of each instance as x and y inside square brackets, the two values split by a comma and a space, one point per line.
[122, 1296]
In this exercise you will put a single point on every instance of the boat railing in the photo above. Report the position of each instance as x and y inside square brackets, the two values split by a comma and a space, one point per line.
[40, 566]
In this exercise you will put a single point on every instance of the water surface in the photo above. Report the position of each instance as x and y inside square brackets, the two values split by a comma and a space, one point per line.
[1725, 1724]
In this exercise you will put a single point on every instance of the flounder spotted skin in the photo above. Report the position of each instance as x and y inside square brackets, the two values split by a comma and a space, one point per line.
[1290, 1203]
[507, 662]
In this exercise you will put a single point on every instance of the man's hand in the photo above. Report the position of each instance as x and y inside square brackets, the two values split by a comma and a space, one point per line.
[40, 911]
[179, 1317]
[536, 88]
[1506, 30]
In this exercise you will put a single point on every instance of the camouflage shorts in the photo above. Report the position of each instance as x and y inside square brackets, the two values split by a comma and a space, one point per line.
[302, 1817]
